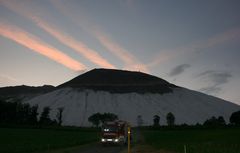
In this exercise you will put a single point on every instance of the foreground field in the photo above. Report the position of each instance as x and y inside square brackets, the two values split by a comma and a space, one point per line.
[195, 140]
[34, 140]
[225, 140]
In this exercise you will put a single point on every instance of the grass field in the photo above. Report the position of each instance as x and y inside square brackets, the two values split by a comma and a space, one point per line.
[196, 140]
[33, 140]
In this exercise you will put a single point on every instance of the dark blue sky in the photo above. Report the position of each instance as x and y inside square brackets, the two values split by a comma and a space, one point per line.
[194, 44]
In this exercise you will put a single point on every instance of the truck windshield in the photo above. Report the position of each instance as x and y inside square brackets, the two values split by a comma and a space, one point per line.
[110, 129]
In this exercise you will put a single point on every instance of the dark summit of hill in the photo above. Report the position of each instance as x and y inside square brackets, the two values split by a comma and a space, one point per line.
[114, 77]
[119, 81]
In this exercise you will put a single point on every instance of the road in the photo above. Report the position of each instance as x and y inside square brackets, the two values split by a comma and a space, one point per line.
[98, 148]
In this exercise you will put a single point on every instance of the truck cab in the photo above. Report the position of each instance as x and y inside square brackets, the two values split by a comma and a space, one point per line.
[114, 132]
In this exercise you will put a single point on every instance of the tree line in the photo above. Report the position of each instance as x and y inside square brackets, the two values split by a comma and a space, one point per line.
[17, 113]
[156, 120]
[98, 118]
[213, 121]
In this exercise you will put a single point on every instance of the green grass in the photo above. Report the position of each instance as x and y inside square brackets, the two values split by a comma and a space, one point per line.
[196, 140]
[14, 140]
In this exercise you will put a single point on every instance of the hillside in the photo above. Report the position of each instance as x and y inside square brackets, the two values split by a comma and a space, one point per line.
[129, 94]
[23, 92]
[188, 106]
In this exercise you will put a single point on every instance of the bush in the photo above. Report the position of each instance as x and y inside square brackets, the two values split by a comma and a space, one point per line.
[235, 118]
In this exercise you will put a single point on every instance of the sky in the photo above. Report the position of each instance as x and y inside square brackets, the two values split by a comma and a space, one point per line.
[190, 43]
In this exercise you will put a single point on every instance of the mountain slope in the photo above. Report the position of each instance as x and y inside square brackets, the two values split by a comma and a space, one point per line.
[23, 92]
[102, 90]
[188, 106]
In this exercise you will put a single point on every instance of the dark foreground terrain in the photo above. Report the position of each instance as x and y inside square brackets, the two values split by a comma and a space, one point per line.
[214, 140]
[13, 140]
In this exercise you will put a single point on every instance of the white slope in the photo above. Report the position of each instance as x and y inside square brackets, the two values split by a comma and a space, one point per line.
[188, 106]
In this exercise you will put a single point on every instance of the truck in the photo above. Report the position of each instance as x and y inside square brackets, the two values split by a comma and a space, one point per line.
[115, 132]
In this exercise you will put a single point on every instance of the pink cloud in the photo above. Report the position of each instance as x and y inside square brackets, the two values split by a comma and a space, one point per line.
[35, 44]
[162, 57]
[130, 61]
[78, 46]
[220, 38]
[114, 48]
[64, 38]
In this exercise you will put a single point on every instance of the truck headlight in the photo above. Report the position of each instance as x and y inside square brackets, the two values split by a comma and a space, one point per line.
[106, 130]
[103, 140]
[116, 140]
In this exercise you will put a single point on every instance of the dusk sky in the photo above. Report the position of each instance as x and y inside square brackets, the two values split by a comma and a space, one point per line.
[193, 44]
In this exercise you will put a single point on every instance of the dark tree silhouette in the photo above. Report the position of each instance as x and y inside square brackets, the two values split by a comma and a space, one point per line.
[235, 118]
[33, 115]
[213, 121]
[156, 120]
[221, 120]
[7, 112]
[108, 117]
[170, 119]
[59, 115]
[26, 110]
[95, 119]
[17, 113]
[44, 118]
[98, 118]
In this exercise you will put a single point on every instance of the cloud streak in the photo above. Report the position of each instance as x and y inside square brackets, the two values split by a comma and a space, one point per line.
[220, 38]
[130, 61]
[179, 69]
[166, 55]
[35, 44]
[78, 46]
[62, 37]
[215, 80]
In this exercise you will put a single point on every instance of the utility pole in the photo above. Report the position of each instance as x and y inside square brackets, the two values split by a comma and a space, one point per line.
[129, 139]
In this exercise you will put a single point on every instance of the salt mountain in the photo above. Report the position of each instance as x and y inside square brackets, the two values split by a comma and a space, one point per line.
[129, 94]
